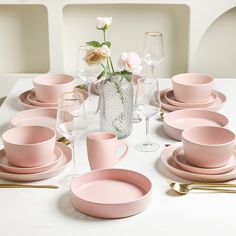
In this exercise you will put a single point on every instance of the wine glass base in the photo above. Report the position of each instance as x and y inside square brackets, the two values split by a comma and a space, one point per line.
[67, 180]
[147, 147]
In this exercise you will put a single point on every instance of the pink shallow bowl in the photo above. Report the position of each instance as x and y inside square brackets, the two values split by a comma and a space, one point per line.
[192, 87]
[29, 146]
[178, 157]
[111, 193]
[31, 97]
[49, 87]
[4, 164]
[176, 122]
[208, 146]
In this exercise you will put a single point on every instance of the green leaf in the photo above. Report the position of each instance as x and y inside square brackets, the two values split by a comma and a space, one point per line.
[101, 75]
[127, 75]
[107, 43]
[95, 44]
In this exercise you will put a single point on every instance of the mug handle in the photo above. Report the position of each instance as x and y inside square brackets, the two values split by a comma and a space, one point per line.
[125, 152]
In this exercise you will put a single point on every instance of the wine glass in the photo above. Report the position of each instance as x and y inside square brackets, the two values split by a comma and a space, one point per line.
[153, 50]
[149, 105]
[71, 122]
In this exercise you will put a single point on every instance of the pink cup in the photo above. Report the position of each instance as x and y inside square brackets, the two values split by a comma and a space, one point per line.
[29, 146]
[102, 148]
[208, 146]
[192, 87]
[49, 87]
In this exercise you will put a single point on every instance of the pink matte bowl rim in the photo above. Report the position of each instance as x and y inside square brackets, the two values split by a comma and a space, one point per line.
[52, 136]
[37, 80]
[176, 79]
[148, 192]
[184, 138]
[90, 136]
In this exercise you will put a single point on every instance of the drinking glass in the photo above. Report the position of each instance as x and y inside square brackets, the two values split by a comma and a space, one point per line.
[71, 122]
[153, 50]
[137, 91]
[149, 105]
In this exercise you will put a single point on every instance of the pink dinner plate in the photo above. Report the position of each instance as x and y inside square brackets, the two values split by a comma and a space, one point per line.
[169, 96]
[215, 106]
[31, 97]
[37, 116]
[57, 169]
[177, 121]
[169, 163]
[178, 157]
[4, 164]
[25, 102]
[111, 193]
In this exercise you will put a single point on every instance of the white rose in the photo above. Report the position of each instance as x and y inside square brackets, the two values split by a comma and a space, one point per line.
[130, 62]
[103, 22]
[105, 50]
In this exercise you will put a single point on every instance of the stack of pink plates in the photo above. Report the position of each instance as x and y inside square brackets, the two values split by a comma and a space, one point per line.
[173, 159]
[170, 103]
[29, 100]
[57, 163]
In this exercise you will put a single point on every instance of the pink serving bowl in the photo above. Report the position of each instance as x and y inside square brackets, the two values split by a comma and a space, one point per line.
[208, 146]
[192, 87]
[49, 87]
[29, 146]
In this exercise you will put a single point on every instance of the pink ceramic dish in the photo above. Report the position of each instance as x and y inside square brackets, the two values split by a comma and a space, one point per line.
[49, 87]
[192, 87]
[208, 146]
[217, 104]
[177, 121]
[169, 96]
[31, 97]
[57, 169]
[35, 117]
[29, 146]
[168, 162]
[4, 164]
[111, 193]
[24, 100]
[178, 157]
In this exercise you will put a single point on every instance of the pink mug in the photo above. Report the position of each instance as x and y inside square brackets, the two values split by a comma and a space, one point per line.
[102, 148]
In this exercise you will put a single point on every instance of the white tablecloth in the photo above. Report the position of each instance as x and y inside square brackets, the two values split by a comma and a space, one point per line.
[49, 211]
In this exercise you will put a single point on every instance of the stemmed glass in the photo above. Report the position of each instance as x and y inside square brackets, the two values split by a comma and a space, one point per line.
[149, 105]
[137, 91]
[153, 50]
[71, 122]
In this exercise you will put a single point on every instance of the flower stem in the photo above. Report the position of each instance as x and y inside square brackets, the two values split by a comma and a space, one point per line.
[111, 65]
[108, 64]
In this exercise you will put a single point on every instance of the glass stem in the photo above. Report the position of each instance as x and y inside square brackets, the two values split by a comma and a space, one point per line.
[73, 142]
[147, 130]
[152, 71]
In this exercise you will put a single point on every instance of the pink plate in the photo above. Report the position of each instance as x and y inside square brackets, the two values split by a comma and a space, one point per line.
[4, 164]
[31, 97]
[169, 163]
[57, 169]
[177, 121]
[169, 96]
[178, 157]
[216, 105]
[25, 102]
[111, 193]
[38, 116]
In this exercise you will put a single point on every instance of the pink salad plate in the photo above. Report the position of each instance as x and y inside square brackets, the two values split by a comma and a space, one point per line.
[170, 164]
[176, 122]
[170, 98]
[38, 116]
[178, 157]
[54, 160]
[31, 97]
[215, 106]
[55, 170]
[25, 102]
[111, 193]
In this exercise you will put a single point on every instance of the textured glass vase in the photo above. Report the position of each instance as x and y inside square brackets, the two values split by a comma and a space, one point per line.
[116, 106]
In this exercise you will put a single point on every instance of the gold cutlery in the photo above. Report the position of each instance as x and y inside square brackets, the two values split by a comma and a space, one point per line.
[63, 140]
[217, 187]
[27, 186]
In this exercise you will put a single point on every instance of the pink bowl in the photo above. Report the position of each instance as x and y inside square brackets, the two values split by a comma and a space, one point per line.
[192, 87]
[49, 87]
[208, 146]
[29, 146]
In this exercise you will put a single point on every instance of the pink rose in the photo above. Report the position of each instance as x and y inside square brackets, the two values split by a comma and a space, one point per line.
[130, 62]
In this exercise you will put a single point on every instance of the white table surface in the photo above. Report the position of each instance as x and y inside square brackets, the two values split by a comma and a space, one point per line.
[49, 212]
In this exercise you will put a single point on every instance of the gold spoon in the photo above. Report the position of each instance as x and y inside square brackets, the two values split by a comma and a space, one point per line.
[185, 188]
[27, 186]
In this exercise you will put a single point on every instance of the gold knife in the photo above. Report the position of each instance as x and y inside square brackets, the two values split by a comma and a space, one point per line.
[27, 186]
